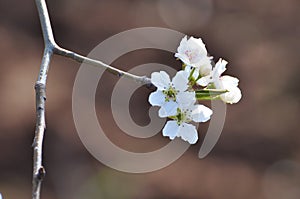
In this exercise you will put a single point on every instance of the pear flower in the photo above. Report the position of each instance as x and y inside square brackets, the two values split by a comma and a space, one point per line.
[193, 54]
[177, 98]
[180, 125]
[223, 82]
[170, 93]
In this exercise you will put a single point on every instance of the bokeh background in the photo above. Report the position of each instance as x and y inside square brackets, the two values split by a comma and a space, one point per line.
[258, 154]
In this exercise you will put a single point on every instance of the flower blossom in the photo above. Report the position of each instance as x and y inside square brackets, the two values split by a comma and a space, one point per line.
[193, 54]
[225, 82]
[169, 92]
[177, 98]
[180, 125]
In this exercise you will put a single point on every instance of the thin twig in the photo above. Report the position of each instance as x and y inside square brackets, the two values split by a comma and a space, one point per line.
[80, 58]
[40, 89]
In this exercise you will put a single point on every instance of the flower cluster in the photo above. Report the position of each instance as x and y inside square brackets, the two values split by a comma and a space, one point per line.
[178, 98]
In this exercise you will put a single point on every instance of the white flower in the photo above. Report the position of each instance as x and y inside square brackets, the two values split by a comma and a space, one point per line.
[180, 127]
[170, 93]
[192, 53]
[234, 94]
[223, 82]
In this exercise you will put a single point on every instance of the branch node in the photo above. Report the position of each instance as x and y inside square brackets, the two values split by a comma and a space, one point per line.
[39, 86]
[33, 143]
[41, 173]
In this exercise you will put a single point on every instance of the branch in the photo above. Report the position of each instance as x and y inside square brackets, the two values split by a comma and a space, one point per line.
[40, 90]
[80, 58]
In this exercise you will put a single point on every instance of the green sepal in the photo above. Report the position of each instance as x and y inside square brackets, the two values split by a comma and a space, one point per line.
[209, 94]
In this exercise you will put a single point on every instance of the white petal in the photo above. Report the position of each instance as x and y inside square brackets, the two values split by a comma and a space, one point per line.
[184, 58]
[218, 84]
[182, 46]
[233, 96]
[161, 80]
[185, 99]
[199, 43]
[180, 80]
[204, 81]
[219, 68]
[201, 113]
[157, 98]
[171, 129]
[181, 51]
[229, 81]
[188, 132]
[168, 109]
[205, 67]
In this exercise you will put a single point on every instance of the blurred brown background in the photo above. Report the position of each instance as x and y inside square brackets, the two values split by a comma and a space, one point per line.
[258, 154]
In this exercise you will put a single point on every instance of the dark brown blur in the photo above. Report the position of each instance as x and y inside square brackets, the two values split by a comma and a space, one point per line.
[258, 154]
